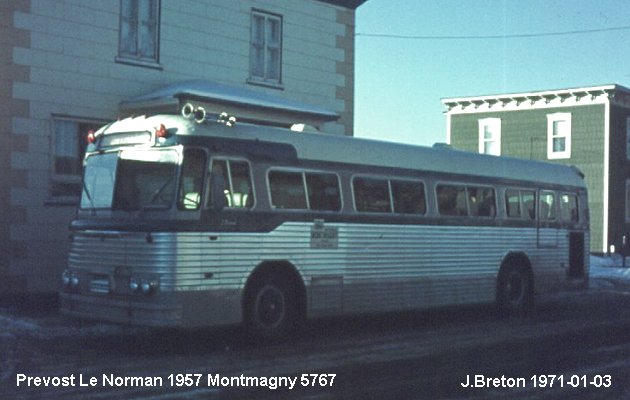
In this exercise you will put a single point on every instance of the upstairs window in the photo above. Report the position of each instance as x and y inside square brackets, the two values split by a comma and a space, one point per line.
[490, 136]
[558, 136]
[139, 31]
[266, 48]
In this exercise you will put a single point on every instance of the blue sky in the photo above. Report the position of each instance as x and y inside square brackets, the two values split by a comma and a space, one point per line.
[400, 82]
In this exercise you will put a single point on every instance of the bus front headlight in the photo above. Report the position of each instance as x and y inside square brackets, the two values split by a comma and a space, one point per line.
[65, 278]
[134, 284]
[148, 287]
[69, 279]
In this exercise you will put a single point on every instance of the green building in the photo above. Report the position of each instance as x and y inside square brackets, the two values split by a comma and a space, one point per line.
[587, 127]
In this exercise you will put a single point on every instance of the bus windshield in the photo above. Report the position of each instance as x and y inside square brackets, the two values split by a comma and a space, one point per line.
[130, 180]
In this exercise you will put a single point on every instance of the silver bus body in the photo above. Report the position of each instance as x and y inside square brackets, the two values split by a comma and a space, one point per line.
[182, 265]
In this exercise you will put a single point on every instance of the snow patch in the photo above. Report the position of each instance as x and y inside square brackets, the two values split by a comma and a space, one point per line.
[607, 272]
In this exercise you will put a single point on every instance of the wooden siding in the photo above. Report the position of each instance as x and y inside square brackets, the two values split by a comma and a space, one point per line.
[619, 172]
[524, 135]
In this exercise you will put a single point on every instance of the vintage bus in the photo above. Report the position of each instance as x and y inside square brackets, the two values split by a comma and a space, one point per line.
[186, 220]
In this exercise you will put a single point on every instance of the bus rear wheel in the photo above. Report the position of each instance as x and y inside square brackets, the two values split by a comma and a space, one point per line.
[514, 289]
[271, 309]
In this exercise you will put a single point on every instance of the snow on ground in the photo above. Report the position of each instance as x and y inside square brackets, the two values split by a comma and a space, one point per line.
[608, 272]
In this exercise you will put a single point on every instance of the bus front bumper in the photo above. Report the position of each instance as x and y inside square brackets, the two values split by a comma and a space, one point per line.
[122, 311]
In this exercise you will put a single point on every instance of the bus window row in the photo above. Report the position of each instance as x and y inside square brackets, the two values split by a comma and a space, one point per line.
[321, 191]
[552, 206]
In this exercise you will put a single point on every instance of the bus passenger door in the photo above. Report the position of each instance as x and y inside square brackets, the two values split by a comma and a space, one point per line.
[547, 223]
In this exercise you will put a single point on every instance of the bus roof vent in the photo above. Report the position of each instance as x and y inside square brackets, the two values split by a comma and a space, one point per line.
[442, 145]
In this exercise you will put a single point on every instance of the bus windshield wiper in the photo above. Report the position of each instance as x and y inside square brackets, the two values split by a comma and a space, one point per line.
[89, 197]
[156, 196]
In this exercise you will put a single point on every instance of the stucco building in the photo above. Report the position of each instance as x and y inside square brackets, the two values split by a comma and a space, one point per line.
[68, 66]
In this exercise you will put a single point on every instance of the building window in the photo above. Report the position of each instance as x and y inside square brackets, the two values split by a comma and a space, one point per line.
[627, 200]
[266, 48]
[68, 150]
[628, 138]
[490, 136]
[139, 32]
[558, 136]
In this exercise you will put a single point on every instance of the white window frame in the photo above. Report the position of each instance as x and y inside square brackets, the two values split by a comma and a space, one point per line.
[553, 134]
[493, 126]
[140, 32]
[265, 46]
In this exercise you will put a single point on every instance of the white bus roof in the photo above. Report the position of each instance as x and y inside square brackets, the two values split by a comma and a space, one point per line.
[343, 149]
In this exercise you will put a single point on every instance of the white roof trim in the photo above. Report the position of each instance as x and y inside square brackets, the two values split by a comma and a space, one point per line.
[533, 100]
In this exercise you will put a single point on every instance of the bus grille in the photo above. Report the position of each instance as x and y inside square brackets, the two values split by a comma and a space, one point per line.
[99, 284]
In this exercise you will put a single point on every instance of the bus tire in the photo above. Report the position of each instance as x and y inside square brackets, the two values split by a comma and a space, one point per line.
[514, 289]
[270, 311]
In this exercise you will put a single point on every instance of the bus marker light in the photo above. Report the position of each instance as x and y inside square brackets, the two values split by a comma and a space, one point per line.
[161, 131]
[90, 137]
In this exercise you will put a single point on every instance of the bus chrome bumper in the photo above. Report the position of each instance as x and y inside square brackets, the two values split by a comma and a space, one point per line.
[121, 311]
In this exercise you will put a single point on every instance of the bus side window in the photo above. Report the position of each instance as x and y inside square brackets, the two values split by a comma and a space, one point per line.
[192, 179]
[371, 195]
[232, 180]
[512, 203]
[287, 190]
[529, 203]
[451, 200]
[408, 197]
[240, 195]
[569, 208]
[481, 202]
[323, 191]
[218, 185]
[547, 206]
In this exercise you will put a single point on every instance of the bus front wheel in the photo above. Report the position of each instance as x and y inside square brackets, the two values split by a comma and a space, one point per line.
[271, 309]
[514, 289]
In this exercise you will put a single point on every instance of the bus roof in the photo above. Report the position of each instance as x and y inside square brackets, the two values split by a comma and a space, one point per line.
[343, 149]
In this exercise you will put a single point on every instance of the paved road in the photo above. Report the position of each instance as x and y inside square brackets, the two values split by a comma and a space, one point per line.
[582, 339]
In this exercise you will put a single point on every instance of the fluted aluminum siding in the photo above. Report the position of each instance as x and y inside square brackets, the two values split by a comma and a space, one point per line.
[375, 267]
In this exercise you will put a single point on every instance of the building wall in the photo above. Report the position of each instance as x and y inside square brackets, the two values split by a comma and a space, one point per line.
[524, 135]
[619, 173]
[58, 59]
[13, 176]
